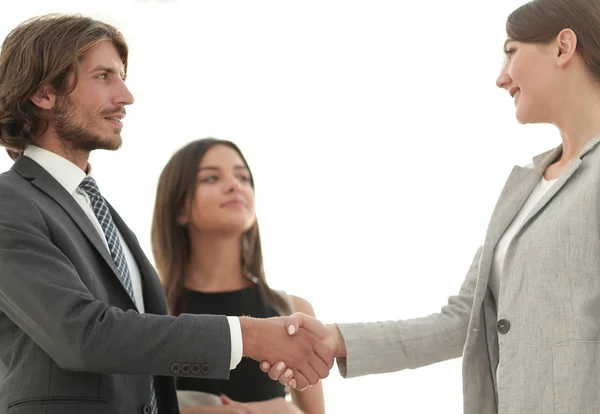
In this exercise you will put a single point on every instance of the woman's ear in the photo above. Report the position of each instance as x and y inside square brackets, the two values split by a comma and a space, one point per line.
[567, 46]
[183, 219]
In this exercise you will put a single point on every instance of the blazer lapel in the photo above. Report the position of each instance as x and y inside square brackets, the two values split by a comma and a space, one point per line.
[519, 185]
[543, 163]
[552, 191]
[40, 178]
[517, 189]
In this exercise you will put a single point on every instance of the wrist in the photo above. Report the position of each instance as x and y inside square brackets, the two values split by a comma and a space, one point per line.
[248, 327]
[338, 346]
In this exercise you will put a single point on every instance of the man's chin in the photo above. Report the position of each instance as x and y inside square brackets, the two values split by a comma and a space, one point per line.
[81, 140]
[109, 144]
[113, 146]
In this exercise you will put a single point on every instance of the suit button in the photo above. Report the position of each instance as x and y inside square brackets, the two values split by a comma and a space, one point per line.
[147, 409]
[175, 368]
[195, 369]
[205, 369]
[185, 369]
[503, 326]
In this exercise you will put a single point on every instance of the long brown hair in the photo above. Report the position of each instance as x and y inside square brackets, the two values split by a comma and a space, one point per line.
[170, 241]
[540, 21]
[43, 51]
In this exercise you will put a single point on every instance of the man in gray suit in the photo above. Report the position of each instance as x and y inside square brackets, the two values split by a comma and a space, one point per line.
[83, 320]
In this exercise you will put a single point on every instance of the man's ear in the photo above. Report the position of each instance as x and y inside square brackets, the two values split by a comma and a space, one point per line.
[44, 98]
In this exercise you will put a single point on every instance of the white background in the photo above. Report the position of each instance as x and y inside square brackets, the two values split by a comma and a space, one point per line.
[378, 140]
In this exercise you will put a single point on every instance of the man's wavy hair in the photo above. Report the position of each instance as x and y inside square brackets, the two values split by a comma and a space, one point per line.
[44, 51]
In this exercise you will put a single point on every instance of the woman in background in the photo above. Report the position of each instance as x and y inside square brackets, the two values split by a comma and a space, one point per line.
[207, 249]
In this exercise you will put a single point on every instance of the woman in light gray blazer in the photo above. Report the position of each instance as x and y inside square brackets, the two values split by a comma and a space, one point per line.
[527, 318]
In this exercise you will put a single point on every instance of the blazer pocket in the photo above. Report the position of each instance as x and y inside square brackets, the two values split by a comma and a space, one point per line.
[59, 405]
[576, 377]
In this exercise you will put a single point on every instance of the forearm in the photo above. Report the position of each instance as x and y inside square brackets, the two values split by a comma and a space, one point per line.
[275, 406]
[388, 346]
[105, 339]
[379, 347]
[311, 400]
[154, 343]
[209, 409]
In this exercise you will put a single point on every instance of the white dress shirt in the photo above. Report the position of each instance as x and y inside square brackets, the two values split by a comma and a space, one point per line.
[70, 176]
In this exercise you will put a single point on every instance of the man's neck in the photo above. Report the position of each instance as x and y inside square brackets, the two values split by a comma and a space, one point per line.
[57, 146]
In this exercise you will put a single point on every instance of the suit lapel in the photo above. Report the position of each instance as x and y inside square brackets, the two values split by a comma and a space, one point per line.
[154, 299]
[41, 179]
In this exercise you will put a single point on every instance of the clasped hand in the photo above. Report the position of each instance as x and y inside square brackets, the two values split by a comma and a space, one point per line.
[312, 360]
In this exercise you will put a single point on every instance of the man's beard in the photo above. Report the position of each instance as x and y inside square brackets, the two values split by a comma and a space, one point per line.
[76, 134]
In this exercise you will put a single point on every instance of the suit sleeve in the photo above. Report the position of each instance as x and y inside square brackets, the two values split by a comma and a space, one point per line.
[379, 347]
[41, 292]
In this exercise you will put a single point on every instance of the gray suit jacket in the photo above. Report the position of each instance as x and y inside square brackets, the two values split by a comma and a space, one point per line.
[71, 340]
[538, 349]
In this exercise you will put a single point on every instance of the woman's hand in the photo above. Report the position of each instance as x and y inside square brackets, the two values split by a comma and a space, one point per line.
[273, 406]
[220, 409]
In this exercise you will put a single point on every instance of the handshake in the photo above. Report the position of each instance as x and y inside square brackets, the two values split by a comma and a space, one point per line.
[297, 350]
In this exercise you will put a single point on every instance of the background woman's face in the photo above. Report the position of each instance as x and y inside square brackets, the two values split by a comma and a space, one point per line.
[224, 197]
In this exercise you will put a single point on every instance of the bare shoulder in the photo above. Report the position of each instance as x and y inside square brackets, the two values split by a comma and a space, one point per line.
[302, 305]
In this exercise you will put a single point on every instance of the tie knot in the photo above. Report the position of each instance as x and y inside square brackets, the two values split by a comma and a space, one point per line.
[90, 187]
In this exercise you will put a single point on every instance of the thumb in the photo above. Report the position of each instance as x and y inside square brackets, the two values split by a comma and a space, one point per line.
[226, 400]
[301, 320]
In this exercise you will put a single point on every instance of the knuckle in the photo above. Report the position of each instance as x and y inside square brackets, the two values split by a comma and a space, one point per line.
[306, 350]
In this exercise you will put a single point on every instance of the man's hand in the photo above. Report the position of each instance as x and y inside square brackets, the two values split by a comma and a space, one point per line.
[305, 353]
[297, 322]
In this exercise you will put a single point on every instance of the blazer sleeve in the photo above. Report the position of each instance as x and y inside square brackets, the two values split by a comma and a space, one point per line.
[378, 347]
[43, 295]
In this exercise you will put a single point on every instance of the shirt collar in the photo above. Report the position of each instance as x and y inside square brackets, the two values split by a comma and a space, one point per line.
[64, 171]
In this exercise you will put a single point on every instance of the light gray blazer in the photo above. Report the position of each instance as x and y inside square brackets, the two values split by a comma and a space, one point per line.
[71, 339]
[548, 360]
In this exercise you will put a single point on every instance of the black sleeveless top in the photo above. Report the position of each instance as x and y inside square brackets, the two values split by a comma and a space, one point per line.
[246, 382]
